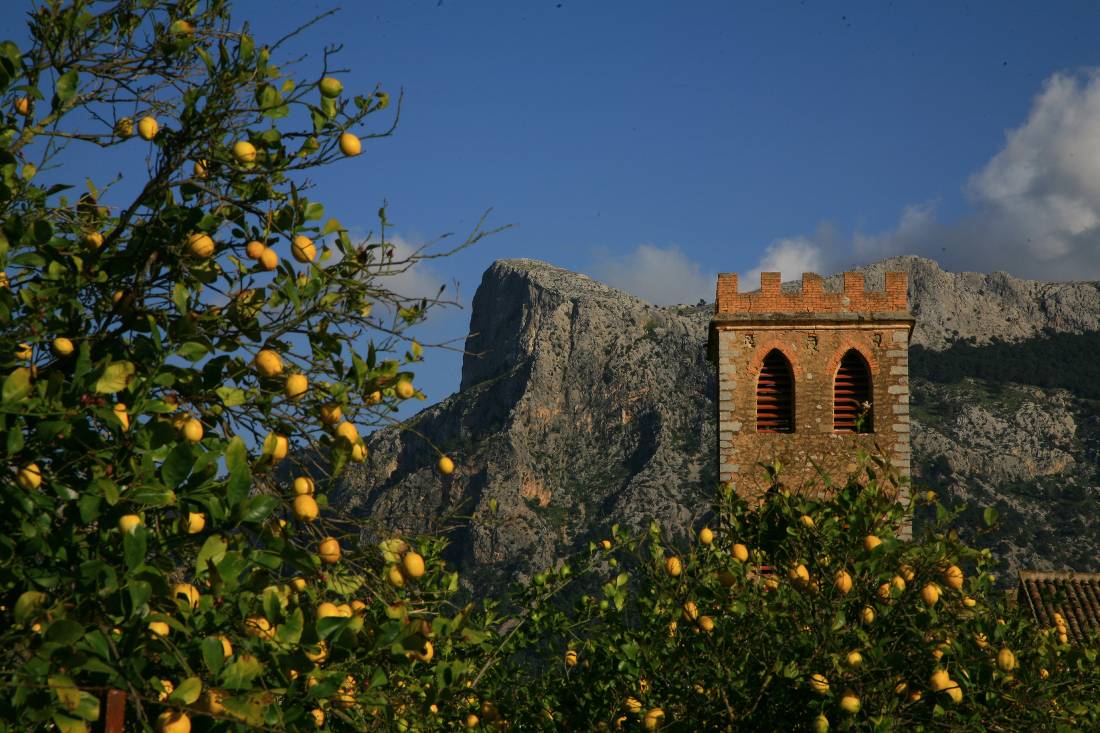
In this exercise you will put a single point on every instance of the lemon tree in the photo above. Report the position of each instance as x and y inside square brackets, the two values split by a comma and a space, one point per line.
[793, 613]
[177, 347]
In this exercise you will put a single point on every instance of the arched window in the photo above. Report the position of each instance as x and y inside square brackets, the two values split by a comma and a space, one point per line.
[853, 402]
[775, 395]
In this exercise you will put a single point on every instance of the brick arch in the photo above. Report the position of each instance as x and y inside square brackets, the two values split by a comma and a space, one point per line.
[848, 344]
[789, 352]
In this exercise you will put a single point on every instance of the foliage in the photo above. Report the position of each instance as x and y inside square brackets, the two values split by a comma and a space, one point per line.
[730, 634]
[166, 340]
[1062, 360]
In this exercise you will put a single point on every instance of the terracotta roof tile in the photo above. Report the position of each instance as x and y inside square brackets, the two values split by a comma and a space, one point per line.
[1076, 596]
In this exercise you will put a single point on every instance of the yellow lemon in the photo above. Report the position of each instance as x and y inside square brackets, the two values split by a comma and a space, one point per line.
[200, 169]
[350, 144]
[706, 623]
[691, 611]
[196, 522]
[741, 553]
[571, 658]
[268, 363]
[654, 719]
[359, 452]
[821, 724]
[413, 565]
[93, 239]
[955, 693]
[259, 627]
[296, 387]
[374, 397]
[331, 414]
[819, 683]
[128, 522]
[23, 106]
[404, 389]
[394, 576]
[472, 721]
[317, 654]
[842, 581]
[325, 609]
[192, 430]
[227, 646]
[807, 521]
[854, 659]
[348, 432]
[632, 705]
[305, 508]
[673, 566]
[173, 721]
[330, 87]
[29, 477]
[200, 245]
[244, 152]
[907, 572]
[269, 259]
[62, 346]
[276, 447]
[425, 654]
[930, 594]
[867, 615]
[24, 352]
[160, 628]
[148, 127]
[189, 592]
[953, 577]
[329, 550]
[318, 716]
[799, 574]
[706, 536]
[870, 542]
[122, 415]
[298, 584]
[303, 249]
[446, 466]
[303, 485]
[939, 681]
[254, 249]
[849, 702]
[1006, 660]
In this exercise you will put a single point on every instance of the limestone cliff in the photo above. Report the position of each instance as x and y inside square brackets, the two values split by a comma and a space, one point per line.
[581, 406]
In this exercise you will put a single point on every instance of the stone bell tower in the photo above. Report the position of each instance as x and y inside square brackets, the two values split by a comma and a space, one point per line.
[810, 377]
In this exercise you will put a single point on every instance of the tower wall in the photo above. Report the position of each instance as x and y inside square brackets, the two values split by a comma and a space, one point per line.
[813, 330]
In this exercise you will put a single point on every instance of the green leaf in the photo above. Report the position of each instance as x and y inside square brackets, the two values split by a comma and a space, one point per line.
[17, 385]
[64, 631]
[179, 297]
[332, 225]
[65, 88]
[240, 474]
[192, 351]
[258, 508]
[15, 438]
[152, 496]
[177, 466]
[116, 377]
[314, 211]
[290, 631]
[231, 396]
[990, 516]
[213, 655]
[239, 674]
[213, 550]
[133, 547]
[140, 593]
[188, 691]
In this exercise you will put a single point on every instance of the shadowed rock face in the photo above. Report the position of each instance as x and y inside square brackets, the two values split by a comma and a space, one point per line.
[581, 406]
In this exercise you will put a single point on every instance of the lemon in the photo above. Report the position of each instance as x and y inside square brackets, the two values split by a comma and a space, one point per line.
[269, 259]
[654, 719]
[821, 724]
[254, 249]
[446, 466]
[192, 430]
[24, 352]
[244, 152]
[404, 389]
[160, 628]
[122, 415]
[93, 240]
[227, 646]
[268, 363]
[128, 522]
[706, 536]
[23, 106]
[571, 658]
[819, 683]
[62, 346]
[358, 452]
[939, 681]
[296, 387]
[196, 522]
[331, 414]
[259, 627]
[330, 87]
[842, 581]
[673, 566]
[849, 702]
[1006, 660]
[29, 477]
[807, 521]
[303, 485]
[394, 576]
[189, 592]
[870, 542]
[953, 577]
[329, 550]
[318, 716]
[867, 615]
[740, 552]
[350, 144]
[305, 508]
[173, 721]
[930, 594]
[147, 127]
[200, 245]
[303, 249]
[413, 565]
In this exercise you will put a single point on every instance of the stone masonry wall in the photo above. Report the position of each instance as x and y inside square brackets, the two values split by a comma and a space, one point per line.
[813, 329]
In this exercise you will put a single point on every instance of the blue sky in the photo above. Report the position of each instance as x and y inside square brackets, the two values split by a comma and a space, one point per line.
[654, 144]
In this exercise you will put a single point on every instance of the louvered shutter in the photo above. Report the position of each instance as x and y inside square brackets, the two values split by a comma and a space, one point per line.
[851, 390]
[775, 395]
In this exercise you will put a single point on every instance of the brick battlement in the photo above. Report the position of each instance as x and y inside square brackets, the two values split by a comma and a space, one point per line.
[813, 298]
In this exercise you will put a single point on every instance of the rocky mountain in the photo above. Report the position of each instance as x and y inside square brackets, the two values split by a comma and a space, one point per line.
[581, 406]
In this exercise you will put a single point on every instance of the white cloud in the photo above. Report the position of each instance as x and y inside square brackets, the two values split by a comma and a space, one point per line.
[789, 257]
[662, 276]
